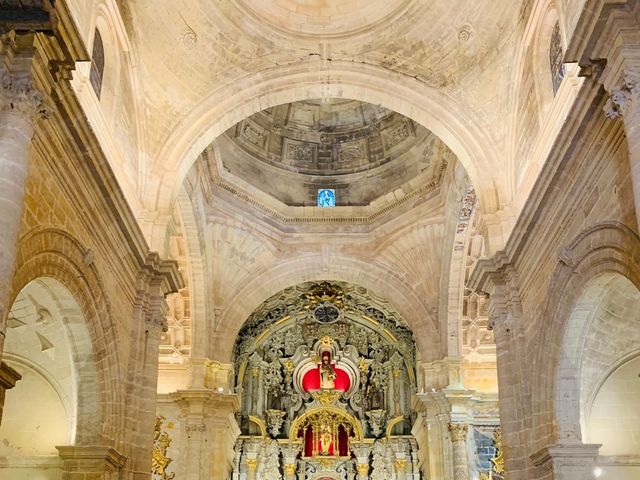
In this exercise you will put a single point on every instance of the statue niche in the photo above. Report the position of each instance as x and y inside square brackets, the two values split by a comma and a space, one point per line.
[327, 375]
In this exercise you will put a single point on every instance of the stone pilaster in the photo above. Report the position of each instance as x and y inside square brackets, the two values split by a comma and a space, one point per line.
[431, 433]
[91, 463]
[20, 105]
[8, 379]
[624, 103]
[458, 433]
[567, 462]
[211, 431]
[606, 44]
[157, 279]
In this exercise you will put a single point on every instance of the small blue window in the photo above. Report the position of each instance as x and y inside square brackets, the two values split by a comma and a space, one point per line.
[326, 197]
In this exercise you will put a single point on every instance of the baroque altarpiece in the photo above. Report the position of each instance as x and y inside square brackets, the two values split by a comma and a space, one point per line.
[325, 374]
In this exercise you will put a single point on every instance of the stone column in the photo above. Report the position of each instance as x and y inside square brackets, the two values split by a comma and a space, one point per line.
[289, 454]
[362, 452]
[458, 433]
[624, 103]
[568, 461]
[91, 463]
[20, 104]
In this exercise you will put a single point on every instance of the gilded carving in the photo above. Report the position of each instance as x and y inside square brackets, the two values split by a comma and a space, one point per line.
[159, 460]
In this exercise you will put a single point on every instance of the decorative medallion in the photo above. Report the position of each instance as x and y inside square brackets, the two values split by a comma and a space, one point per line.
[326, 313]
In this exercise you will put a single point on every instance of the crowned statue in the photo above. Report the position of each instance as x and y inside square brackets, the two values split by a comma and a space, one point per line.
[327, 373]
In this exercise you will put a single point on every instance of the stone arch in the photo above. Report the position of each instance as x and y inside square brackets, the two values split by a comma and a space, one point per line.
[384, 282]
[64, 263]
[232, 103]
[48, 339]
[605, 251]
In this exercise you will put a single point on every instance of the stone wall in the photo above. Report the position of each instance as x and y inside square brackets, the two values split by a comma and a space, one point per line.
[77, 229]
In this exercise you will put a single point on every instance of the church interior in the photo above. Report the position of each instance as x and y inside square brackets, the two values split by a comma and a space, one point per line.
[319, 239]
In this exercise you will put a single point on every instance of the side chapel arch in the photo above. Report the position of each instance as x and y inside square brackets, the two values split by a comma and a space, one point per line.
[56, 255]
[603, 251]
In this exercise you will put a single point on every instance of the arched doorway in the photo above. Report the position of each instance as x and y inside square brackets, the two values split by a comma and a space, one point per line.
[597, 399]
[55, 403]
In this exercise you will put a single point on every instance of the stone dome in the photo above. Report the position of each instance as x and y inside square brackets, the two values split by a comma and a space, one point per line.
[360, 149]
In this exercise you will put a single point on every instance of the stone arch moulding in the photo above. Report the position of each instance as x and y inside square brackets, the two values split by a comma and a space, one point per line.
[54, 254]
[306, 269]
[604, 248]
[408, 96]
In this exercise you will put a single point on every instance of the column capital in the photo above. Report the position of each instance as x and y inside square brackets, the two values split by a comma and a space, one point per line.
[18, 94]
[458, 432]
[8, 377]
[567, 461]
[91, 459]
[623, 100]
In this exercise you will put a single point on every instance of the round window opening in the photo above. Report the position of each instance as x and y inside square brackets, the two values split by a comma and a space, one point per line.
[326, 313]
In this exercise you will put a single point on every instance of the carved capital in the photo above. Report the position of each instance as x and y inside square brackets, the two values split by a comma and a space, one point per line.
[20, 96]
[290, 469]
[363, 469]
[623, 98]
[458, 432]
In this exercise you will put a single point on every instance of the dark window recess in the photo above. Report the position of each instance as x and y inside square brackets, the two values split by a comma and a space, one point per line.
[97, 64]
[555, 58]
